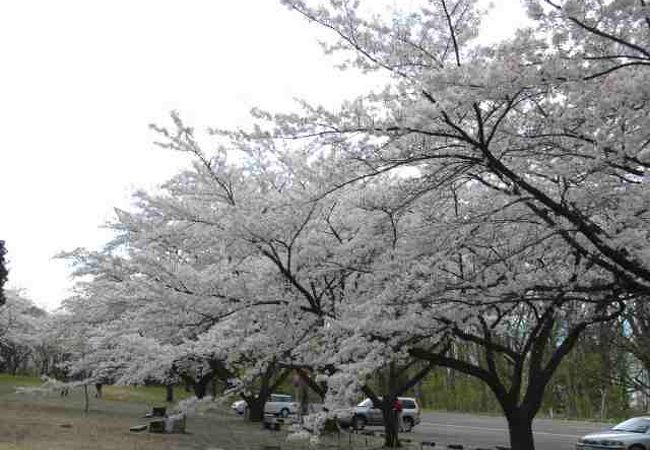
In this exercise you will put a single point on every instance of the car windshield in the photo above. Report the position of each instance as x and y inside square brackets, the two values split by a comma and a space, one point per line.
[366, 403]
[637, 425]
[408, 404]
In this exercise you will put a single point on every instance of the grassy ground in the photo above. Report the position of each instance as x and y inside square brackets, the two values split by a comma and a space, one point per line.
[50, 422]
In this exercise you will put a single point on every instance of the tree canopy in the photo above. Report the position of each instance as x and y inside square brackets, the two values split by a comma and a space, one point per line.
[482, 213]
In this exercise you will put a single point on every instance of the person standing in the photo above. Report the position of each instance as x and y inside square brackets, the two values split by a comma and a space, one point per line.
[397, 409]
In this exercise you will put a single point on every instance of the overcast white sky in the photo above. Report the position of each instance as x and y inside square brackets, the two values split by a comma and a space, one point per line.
[81, 80]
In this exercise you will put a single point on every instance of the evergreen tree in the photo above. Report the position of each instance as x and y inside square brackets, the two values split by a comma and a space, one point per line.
[3, 272]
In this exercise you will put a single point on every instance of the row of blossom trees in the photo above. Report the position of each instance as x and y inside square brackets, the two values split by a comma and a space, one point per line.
[489, 198]
[23, 335]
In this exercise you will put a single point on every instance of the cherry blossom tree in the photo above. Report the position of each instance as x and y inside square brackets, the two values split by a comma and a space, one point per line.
[494, 274]
[20, 325]
[141, 310]
[199, 269]
[526, 118]
[514, 302]
[480, 213]
[523, 127]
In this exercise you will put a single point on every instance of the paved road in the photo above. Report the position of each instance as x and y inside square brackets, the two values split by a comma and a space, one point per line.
[485, 431]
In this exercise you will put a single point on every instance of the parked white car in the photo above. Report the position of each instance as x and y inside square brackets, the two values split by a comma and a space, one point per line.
[239, 407]
[281, 405]
[277, 405]
[633, 434]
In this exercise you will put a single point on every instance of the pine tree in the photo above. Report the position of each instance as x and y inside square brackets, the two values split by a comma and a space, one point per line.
[4, 272]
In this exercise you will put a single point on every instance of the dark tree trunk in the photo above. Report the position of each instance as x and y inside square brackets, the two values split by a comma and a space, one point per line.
[213, 387]
[255, 410]
[200, 388]
[11, 363]
[200, 385]
[391, 427]
[169, 393]
[256, 404]
[86, 400]
[520, 428]
[395, 387]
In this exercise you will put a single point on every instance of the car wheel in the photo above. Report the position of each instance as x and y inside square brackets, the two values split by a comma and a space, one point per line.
[407, 424]
[637, 447]
[284, 412]
[358, 423]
